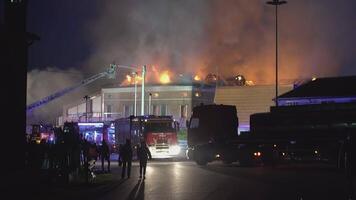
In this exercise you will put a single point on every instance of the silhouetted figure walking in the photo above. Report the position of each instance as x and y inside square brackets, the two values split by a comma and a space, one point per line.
[119, 160]
[350, 148]
[105, 155]
[143, 154]
[126, 159]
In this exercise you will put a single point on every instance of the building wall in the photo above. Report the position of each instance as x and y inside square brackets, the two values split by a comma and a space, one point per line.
[165, 100]
[248, 100]
[178, 101]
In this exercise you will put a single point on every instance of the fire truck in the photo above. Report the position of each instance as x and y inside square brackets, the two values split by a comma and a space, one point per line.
[303, 133]
[159, 133]
[42, 132]
[95, 132]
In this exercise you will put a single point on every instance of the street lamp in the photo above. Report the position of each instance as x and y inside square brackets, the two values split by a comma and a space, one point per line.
[149, 103]
[276, 3]
[134, 73]
[143, 90]
[135, 105]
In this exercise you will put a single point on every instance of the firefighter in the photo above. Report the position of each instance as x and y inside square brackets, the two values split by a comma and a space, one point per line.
[105, 154]
[350, 149]
[126, 159]
[143, 154]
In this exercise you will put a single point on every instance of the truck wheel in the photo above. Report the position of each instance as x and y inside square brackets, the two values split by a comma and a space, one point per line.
[201, 161]
[228, 162]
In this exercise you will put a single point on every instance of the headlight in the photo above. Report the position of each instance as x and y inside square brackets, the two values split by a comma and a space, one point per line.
[174, 150]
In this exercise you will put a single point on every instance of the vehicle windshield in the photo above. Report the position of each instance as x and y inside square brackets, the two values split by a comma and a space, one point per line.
[158, 127]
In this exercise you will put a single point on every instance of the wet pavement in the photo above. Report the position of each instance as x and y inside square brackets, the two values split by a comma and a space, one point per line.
[185, 180]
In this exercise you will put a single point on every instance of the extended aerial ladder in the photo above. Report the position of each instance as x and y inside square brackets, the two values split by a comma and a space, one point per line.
[110, 73]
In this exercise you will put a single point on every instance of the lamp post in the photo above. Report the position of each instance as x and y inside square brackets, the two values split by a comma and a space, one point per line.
[143, 90]
[276, 3]
[135, 105]
[149, 103]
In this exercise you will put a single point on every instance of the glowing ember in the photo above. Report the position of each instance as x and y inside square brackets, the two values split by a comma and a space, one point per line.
[250, 83]
[197, 78]
[164, 78]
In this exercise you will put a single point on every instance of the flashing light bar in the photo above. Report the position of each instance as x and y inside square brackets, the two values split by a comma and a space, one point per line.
[96, 124]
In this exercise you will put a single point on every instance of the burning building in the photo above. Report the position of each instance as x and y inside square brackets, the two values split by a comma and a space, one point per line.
[174, 99]
[117, 102]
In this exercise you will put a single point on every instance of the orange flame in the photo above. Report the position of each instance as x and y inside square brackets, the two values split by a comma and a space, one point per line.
[250, 83]
[128, 78]
[164, 78]
[197, 78]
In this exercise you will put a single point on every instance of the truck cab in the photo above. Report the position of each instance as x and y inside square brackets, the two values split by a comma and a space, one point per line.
[211, 129]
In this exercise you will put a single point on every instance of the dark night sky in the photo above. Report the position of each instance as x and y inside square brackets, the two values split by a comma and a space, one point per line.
[60, 25]
[67, 38]
[317, 38]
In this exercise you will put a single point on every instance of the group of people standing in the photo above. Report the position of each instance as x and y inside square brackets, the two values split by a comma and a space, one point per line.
[125, 158]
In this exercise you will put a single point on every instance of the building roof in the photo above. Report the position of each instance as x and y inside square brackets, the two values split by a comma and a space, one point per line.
[324, 87]
[195, 84]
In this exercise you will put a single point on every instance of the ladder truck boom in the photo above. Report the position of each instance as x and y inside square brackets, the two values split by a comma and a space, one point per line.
[110, 73]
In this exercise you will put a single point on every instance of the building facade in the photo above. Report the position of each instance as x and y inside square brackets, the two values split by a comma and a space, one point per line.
[113, 103]
[176, 100]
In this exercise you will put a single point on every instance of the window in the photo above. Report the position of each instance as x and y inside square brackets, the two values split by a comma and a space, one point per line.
[163, 109]
[194, 123]
[108, 110]
[128, 110]
[183, 111]
[155, 109]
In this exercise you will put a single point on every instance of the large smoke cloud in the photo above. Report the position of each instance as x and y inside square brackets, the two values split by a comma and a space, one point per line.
[225, 36]
[214, 36]
[41, 83]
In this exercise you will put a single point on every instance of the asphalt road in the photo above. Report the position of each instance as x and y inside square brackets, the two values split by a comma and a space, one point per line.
[186, 180]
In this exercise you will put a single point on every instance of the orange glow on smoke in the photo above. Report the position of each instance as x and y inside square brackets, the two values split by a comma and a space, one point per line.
[164, 78]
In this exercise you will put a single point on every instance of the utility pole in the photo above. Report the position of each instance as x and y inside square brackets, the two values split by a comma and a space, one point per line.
[135, 104]
[143, 90]
[86, 97]
[149, 103]
[276, 3]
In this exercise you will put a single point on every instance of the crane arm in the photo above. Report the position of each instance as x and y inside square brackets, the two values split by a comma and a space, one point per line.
[110, 73]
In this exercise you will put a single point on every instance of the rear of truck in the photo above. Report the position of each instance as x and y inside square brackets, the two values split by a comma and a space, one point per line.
[213, 135]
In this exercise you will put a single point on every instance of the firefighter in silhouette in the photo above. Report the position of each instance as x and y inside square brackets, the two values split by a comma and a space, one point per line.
[126, 158]
[350, 163]
[105, 154]
[143, 154]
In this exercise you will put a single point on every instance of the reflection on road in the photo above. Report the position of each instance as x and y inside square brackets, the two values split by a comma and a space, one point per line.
[186, 180]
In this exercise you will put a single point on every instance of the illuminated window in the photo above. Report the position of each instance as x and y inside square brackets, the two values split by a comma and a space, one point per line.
[108, 110]
[183, 111]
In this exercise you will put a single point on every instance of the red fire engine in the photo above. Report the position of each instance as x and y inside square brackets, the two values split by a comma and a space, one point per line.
[159, 132]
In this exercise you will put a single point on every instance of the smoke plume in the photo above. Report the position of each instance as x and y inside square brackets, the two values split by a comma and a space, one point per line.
[42, 83]
[225, 37]
[197, 37]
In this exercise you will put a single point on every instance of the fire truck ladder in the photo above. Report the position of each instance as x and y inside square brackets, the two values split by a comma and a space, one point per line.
[110, 73]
